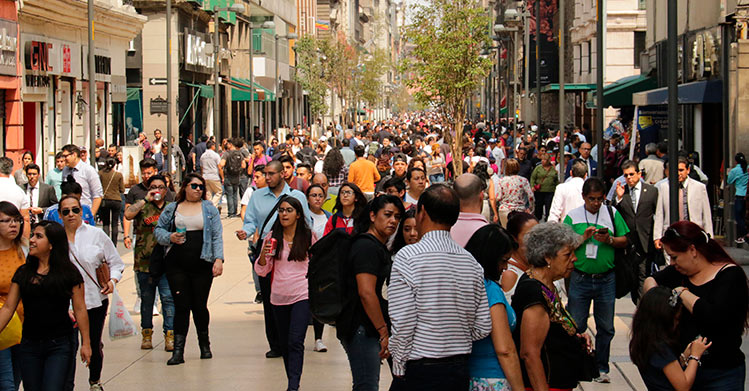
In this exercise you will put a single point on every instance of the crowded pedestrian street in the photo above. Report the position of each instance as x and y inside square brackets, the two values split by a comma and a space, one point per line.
[239, 344]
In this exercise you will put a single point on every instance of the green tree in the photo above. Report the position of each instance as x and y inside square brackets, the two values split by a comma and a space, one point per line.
[311, 73]
[445, 65]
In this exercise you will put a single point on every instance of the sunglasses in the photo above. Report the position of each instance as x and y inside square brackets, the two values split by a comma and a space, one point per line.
[197, 186]
[75, 210]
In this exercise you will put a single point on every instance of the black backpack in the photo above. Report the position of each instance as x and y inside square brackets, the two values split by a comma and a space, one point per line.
[307, 156]
[327, 275]
[233, 163]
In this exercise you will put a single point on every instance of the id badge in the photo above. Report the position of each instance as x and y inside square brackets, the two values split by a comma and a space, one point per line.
[591, 250]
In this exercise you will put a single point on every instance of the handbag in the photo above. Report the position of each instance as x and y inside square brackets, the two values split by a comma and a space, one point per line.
[11, 335]
[624, 264]
[588, 369]
[258, 246]
[537, 186]
[102, 272]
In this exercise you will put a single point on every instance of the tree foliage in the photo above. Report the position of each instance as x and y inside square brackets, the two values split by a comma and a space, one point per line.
[445, 65]
[310, 73]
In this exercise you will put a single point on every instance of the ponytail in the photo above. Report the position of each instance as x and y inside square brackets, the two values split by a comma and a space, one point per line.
[741, 160]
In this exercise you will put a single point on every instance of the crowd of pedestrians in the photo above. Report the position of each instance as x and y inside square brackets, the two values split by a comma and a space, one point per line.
[481, 280]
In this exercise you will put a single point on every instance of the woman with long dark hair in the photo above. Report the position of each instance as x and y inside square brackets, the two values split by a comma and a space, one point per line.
[494, 363]
[285, 255]
[191, 227]
[654, 341]
[111, 204]
[20, 174]
[335, 169]
[47, 283]
[407, 232]
[13, 248]
[713, 289]
[349, 207]
[90, 247]
[738, 177]
[518, 224]
[363, 328]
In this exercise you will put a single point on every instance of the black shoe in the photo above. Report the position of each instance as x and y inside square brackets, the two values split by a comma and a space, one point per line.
[259, 298]
[272, 354]
[178, 354]
[205, 345]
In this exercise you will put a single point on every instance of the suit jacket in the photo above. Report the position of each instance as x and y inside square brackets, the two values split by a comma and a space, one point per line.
[593, 168]
[640, 221]
[47, 195]
[697, 202]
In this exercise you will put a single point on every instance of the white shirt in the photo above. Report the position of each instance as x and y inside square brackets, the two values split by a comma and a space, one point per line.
[246, 197]
[92, 247]
[637, 190]
[209, 161]
[318, 223]
[567, 196]
[88, 178]
[32, 193]
[10, 192]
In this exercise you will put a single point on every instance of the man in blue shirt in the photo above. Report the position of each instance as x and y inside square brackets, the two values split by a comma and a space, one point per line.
[54, 177]
[70, 188]
[260, 207]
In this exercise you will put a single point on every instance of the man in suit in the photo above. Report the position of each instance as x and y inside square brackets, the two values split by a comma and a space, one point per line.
[693, 204]
[584, 150]
[41, 195]
[636, 201]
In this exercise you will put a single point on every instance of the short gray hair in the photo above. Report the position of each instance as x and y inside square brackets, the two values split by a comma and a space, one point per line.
[548, 239]
[651, 148]
[6, 165]
[579, 168]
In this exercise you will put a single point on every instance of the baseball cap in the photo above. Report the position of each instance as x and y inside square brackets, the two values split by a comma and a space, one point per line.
[323, 139]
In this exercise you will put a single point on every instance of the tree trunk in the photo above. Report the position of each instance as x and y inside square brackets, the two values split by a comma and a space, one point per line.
[457, 142]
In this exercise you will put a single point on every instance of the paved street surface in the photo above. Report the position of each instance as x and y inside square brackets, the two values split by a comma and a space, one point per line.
[239, 345]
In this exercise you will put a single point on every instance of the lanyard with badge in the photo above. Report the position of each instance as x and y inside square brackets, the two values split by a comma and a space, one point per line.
[591, 249]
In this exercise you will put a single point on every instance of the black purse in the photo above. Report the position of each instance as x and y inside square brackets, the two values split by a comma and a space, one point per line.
[157, 260]
[625, 261]
[588, 369]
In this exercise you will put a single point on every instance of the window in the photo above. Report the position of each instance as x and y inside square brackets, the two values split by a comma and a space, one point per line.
[642, 4]
[639, 47]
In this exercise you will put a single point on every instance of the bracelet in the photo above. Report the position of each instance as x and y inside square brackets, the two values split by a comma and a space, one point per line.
[126, 237]
[383, 338]
[695, 358]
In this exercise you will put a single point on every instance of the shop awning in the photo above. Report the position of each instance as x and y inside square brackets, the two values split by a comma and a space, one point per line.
[619, 93]
[568, 87]
[133, 93]
[227, 17]
[242, 88]
[697, 92]
[206, 91]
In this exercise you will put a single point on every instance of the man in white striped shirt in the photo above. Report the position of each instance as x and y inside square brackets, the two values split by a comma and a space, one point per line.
[437, 300]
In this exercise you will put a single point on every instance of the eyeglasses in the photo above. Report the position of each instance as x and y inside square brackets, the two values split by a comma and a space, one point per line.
[75, 210]
[286, 210]
[65, 155]
[197, 186]
[8, 221]
[346, 192]
[159, 187]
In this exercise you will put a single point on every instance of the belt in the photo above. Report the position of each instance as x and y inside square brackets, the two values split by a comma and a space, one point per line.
[595, 275]
[457, 358]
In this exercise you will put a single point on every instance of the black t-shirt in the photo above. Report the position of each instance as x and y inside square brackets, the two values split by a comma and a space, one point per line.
[45, 309]
[652, 375]
[718, 315]
[368, 255]
[139, 191]
[561, 352]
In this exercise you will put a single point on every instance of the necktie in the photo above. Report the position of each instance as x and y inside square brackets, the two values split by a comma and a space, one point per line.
[32, 217]
[633, 195]
[683, 206]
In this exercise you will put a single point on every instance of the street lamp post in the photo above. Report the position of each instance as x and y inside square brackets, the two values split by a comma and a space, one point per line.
[169, 97]
[237, 7]
[91, 85]
[276, 81]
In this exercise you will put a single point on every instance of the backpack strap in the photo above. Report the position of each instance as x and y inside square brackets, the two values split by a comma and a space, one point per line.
[267, 219]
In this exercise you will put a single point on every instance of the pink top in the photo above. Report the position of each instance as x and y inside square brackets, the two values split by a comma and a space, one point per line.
[289, 280]
[466, 226]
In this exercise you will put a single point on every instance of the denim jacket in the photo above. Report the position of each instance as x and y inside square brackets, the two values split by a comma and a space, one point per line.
[213, 244]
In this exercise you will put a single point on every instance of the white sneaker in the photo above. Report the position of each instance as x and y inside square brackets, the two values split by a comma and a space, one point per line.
[603, 378]
[136, 307]
[320, 347]
[96, 387]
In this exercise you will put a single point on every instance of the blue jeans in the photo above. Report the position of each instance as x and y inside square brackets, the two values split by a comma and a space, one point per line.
[602, 291]
[436, 178]
[292, 321]
[148, 296]
[255, 277]
[10, 369]
[45, 363]
[232, 197]
[739, 213]
[363, 358]
[709, 379]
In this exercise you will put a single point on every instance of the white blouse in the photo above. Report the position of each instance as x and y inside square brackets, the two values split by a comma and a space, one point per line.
[92, 247]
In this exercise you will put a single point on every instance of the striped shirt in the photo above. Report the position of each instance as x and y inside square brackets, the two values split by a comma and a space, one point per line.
[437, 301]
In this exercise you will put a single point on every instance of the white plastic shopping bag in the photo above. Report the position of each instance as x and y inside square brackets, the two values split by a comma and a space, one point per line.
[121, 325]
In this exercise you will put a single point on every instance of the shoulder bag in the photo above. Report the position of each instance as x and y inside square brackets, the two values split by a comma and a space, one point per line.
[157, 259]
[258, 246]
[624, 264]
[102, 272]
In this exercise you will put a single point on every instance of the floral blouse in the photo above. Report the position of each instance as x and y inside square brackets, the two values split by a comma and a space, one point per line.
[514, 193]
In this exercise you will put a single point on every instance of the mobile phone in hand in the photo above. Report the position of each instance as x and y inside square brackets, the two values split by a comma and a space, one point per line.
[602, 231]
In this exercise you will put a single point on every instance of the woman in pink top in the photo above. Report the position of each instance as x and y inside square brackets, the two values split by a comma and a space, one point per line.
[285, 255]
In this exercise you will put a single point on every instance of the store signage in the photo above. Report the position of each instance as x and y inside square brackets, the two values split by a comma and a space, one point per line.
[8, 47]
[102, 64]
[159, 106]
[197, 57]
[118, 87]
[47, 57]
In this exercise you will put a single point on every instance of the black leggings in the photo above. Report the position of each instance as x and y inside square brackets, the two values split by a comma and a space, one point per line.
[318, 327]
[110, 218]
[190, 280]
[96, 318]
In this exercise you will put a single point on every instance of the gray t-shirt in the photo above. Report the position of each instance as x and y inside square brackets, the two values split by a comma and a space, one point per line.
[209, 164]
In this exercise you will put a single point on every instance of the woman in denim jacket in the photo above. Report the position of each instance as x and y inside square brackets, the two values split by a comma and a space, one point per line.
[191, 226]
